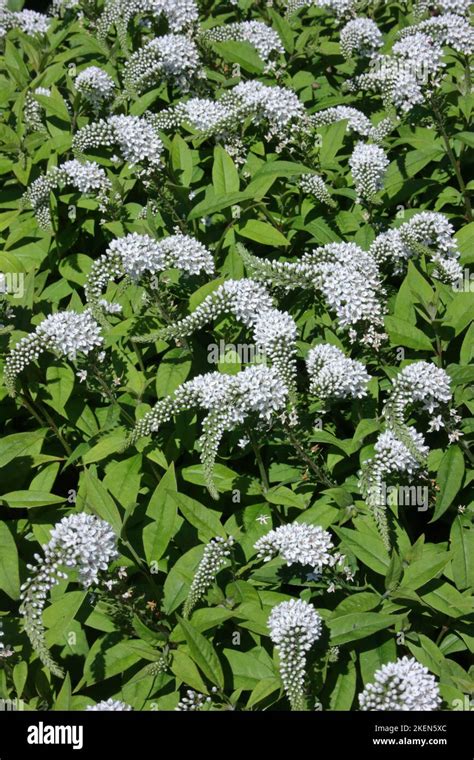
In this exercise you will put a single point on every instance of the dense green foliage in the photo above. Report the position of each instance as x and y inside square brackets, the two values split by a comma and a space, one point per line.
[66, 428]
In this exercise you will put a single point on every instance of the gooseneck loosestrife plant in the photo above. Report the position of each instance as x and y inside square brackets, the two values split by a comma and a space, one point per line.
[236, 355]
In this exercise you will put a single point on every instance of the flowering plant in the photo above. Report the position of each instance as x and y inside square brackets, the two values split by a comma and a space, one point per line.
[236, 353]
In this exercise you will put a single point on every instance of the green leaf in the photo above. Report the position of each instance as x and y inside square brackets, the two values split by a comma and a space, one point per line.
[465, 137]
[100, 502]
[394, 572]
[21, 445]
[284, 496]
[106, 659]
[342, 696]
[263, 233]
[249, 668]
[418, 285]
[206, 521]
[184, 668]
[203, 653]
[462, 553]
[383, 652]
[254, 191]
[60, 385]
[123, 480]
[332, 140]
[162, 512]
[449, 479]
[403, 333]
[368, 548]
[59, 615]
[224, 477]
[242, 53]
[179, 579]
[447, 600]
[358, 602]
[63, 700]
[203, 619]
[182, 160]
[75, 268]
[20, 674]
[281, 169]
[263, 689]
[355, 626]
[173, 370]
[30, 499]
[465, 241]
[225, 177]
[9, 573]
[109, 444]
[423, 570]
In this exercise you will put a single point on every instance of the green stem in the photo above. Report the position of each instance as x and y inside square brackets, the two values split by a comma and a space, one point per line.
[138, 354]
[112, 398]
[315, 469]
[453, 160]
[260, 463]
[29, 404]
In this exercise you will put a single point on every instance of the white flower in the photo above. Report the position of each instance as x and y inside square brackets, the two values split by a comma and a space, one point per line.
[448, 29]
[356, 121]
[137, 255]
[135, 137]
[435, 424]
[33, 112]
[257, 392]
[214, 559]
[5, 650]
[274, 331]
[294, 628]
[429, 229]
[418, 383]
[180, 14]
[401, 685]
[194, 701]
[392, 455]
[402, 452]
[298, 543]
[30, 22]
[347, 276]
[361, 36]
[315, 185]
[108, 705]
[368, 166]
[333, 375]
[172, 56]
[404, 77]
[277, 108]
[95, 85]
[79, 542]
[66, 332]
[86, 177]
